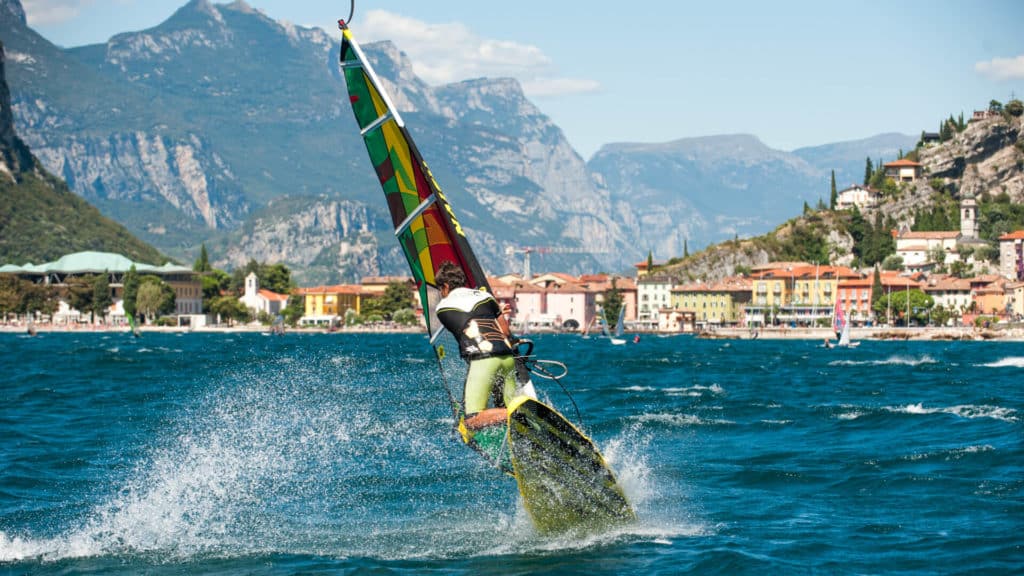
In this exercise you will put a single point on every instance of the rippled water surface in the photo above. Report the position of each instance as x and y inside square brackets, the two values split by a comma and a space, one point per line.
[249, 454]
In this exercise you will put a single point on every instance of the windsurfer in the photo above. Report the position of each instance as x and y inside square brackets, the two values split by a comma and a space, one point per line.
[485, 343]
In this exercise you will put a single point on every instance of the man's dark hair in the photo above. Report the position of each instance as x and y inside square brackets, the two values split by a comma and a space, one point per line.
[450, 274]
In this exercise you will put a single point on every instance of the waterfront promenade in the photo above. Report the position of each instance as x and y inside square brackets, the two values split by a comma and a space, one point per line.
[1001, 333]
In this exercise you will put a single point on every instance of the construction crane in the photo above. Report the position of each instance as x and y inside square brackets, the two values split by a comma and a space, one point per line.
[527, 250]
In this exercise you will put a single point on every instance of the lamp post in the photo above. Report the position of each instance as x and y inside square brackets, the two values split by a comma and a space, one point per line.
[907, 294]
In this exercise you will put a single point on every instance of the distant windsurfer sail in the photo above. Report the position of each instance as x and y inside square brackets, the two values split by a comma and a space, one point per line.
[431, 237]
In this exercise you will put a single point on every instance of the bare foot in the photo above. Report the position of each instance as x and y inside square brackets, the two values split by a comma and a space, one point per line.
[485, 418]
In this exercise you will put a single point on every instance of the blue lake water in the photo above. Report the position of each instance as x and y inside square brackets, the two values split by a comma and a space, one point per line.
[249, 454]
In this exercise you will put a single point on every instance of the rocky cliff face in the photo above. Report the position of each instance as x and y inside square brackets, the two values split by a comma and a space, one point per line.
[320, 234]
[15, 156]
[147, 167]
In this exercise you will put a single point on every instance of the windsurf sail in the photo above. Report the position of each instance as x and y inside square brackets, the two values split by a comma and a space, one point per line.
[838, 318]
[603, 323]
[425, 224]
[620, 324]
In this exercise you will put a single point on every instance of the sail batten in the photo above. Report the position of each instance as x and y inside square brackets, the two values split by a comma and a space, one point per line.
[401, 228]
[375, 124]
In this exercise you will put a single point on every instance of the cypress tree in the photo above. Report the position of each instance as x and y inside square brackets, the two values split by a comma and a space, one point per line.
[131, 291]
[101, 299]
[203, 262]
[876, 286]
[835, 195]
[869, 171]
[686, 248]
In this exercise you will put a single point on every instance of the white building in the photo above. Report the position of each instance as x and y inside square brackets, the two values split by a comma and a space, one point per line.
[915, 247]
[652, 294]
[1011, 255]
[949, 291]
[262, 300]
[860, 196]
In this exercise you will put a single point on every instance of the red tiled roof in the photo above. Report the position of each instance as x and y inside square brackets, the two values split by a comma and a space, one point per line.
[336, 289]
[928, 235]
[272, 296]
[1017, 235]
[902, 162]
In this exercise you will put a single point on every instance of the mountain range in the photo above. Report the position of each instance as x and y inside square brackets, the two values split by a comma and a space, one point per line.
[225, 127]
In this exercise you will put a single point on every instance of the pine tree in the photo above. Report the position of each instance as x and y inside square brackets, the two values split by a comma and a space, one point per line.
[834, 197]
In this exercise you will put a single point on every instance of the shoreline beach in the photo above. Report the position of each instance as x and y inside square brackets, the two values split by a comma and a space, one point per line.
[999, 333]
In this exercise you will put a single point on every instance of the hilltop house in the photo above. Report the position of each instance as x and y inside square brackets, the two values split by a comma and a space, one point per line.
[903, 170]
[860, 196]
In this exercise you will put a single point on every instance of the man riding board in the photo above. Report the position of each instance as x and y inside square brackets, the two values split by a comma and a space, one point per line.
[481, 327]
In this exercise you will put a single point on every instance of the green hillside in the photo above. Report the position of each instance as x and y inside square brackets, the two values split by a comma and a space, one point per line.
[41, 220]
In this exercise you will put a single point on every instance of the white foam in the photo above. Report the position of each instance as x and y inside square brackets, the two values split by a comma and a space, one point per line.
[1009, 362]
[964, 411]
[890, 361]
[678, 419]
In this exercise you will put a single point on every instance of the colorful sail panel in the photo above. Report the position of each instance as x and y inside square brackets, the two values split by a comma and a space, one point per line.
[426, 227]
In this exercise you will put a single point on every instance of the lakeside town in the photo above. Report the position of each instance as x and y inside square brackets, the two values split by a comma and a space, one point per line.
[775, 300]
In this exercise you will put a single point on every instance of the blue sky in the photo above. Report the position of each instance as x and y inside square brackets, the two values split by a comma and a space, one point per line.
[794, 74]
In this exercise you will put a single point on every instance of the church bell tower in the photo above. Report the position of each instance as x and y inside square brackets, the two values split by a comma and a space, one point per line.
[969, 217]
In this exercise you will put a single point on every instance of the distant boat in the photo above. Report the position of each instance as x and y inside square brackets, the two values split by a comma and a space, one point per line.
[614, 339]
[134, 329]
[841, 326]
[620, 327]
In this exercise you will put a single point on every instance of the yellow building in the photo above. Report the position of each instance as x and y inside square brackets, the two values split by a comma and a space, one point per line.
[721, 304]
[802, 294]
[328, 304]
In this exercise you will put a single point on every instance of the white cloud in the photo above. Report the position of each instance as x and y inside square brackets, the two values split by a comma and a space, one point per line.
[1002, 68]
[541, 87]
[46, 12]
[450, 52]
